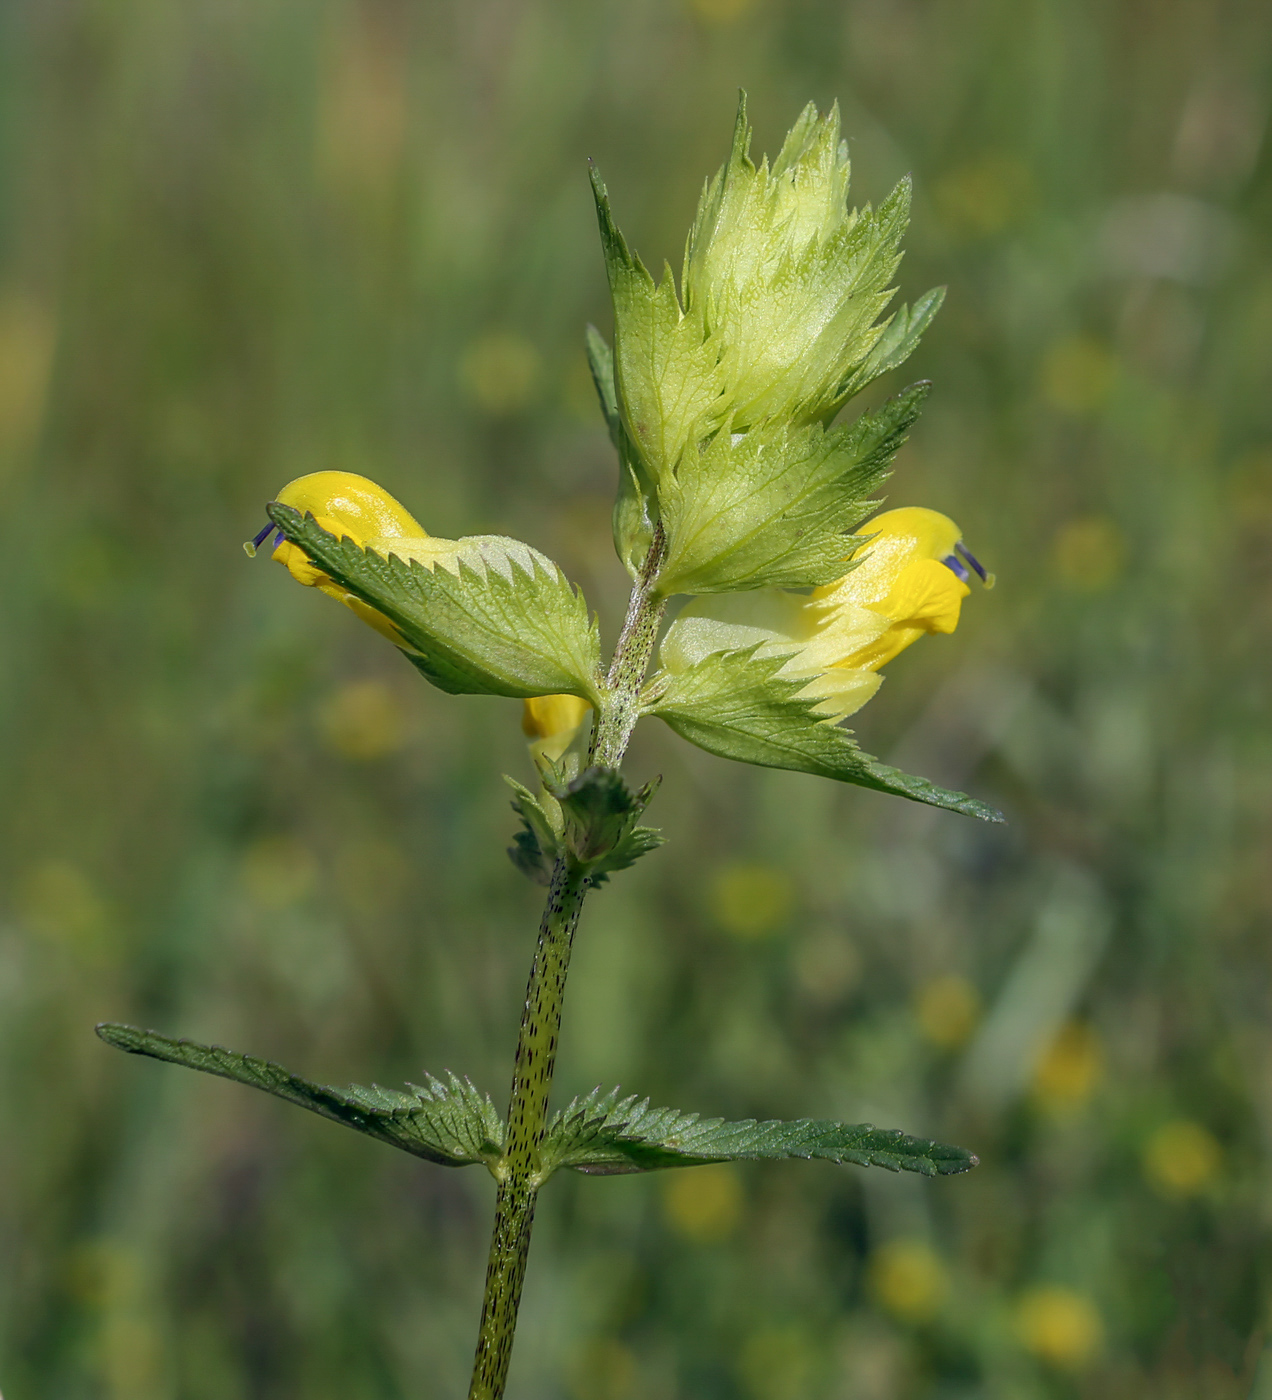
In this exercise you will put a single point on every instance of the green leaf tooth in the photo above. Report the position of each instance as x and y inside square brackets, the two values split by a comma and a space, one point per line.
[453, 1126]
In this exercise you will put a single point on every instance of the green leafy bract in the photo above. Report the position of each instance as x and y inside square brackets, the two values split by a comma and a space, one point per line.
[735, 705]
[717, 397]
[592, 820]
[898, 342]
[449, 1122]
[498, 619]
[773, 507]
[668, 379]
[604, 1135]
[789, 279]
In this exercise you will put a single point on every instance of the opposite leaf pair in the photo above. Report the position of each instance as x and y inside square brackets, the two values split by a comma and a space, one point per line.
[451, 1123]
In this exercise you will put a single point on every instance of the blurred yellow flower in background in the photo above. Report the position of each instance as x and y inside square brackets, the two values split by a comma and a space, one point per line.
[1078, 374]
[1070, 1068]
[1182, 1158]
[1089, 552]
[947, 1009]
[500, 372]
[603, 1369]
[1059, 1326]
[704, 1204]
[363, 720]
[909, 1280]
[750, 900]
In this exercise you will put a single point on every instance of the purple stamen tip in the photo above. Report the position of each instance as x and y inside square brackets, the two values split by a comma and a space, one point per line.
[956, 567]
[256, 542]
[967, 554]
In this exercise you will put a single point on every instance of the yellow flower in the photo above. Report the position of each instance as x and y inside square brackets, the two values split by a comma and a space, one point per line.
[552, 723]
[349, 507]
[911, 578]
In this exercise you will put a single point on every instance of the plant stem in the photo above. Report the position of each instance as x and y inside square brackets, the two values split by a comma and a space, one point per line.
[527, 1117]
[618, 718]
[519, 1178]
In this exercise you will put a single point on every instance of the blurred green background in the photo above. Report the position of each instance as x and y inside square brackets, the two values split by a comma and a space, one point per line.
[242, 241]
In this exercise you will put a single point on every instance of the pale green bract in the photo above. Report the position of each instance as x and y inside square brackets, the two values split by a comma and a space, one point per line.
[736, 705]
[801, 491]
[492, 616]
[716, 398]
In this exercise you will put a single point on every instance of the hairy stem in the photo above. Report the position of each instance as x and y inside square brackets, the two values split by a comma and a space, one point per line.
[527, 1117]
[520, 1178]
[630, 662]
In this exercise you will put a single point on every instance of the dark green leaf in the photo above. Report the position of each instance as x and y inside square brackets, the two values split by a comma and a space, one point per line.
[446, 1122]
[537, 845]
[604, 1135]
[600, 813]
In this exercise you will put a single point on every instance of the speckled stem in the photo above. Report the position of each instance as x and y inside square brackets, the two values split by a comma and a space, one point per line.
[527, 1116]
[519, 1179]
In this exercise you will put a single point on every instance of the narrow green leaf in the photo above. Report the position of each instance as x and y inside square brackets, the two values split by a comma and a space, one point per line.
[448, 1122]
[735, 705]
[537, 845]
[503, 620]
[636, 505]
[668, 378]
[604, 1135]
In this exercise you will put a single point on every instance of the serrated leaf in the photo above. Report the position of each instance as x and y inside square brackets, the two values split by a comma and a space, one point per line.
[773, 507]
[788, 278]
[667, 374]
[605, 1135]
[636, 505]
[448, 1122]
[537, 845]
[735, 705]
[499, 619]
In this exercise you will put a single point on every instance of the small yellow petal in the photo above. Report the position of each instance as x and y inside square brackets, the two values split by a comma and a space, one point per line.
[893, 540]
[347, 504]
[544, 716]
[926, 596]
